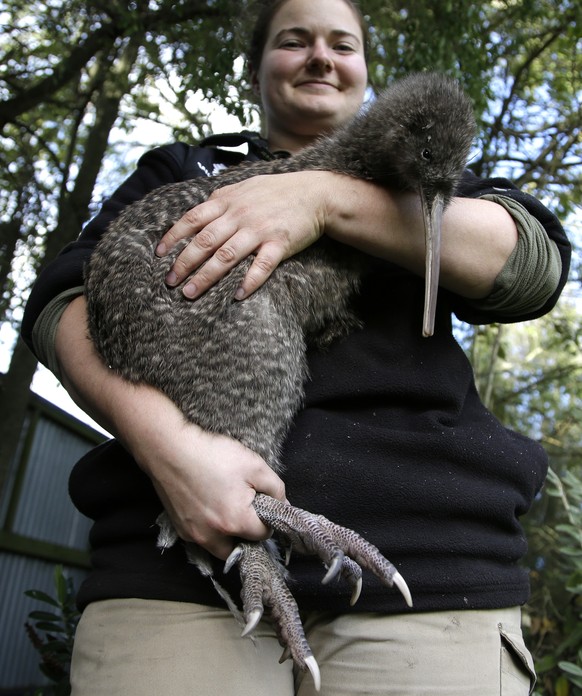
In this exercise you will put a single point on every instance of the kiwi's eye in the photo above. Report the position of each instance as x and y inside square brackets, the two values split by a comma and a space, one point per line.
[427, 155]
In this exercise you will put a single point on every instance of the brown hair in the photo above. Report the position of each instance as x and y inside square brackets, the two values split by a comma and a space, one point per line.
[267, 9]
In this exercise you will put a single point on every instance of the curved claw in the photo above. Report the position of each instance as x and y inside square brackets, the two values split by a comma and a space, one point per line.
[313, 667]
[400, 583]
[253, 619]
[334, 568]
[234, 557]
[356, 592]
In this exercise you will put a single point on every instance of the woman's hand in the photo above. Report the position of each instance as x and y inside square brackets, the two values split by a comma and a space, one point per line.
[273, 216]
[207, 484]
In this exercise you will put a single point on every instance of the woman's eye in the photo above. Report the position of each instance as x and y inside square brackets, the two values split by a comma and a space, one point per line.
[291, 43]
[344, 48]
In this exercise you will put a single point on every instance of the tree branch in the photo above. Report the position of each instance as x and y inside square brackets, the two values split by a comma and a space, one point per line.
[65, 71]
[100, 40]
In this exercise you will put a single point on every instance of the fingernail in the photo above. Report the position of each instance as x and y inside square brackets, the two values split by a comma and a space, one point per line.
[190, 290]
[161, 249]
[171, 278]
[239, 294]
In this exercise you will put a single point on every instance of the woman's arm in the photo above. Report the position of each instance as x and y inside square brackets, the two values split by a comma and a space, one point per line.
[206, 482]
[277, 216]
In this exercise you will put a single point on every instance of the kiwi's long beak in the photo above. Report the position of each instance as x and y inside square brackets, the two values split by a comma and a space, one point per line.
[432, 211]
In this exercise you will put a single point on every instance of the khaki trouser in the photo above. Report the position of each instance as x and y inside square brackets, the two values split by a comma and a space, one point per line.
[153, 648]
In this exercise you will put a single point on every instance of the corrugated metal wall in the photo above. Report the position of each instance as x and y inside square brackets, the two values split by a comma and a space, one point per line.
[36, 506]
[44, 510]
[18, 658]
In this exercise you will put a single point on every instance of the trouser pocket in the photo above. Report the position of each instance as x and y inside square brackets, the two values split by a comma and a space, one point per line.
[518, 675]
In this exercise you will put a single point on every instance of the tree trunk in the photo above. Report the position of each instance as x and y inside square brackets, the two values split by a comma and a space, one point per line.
[73, 211]
[9, 236]
[14, 390]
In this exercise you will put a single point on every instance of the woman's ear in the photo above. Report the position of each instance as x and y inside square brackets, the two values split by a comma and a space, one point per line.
[255, 85]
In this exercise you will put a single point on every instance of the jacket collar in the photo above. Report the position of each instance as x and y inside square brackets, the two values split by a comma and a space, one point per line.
[258, 146]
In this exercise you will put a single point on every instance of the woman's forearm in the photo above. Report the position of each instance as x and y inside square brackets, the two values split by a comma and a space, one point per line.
[276, 216]
[478, 236]
[206, 482]
[105, 396]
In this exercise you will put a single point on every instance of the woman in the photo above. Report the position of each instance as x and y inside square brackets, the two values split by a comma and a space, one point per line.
[393, 440]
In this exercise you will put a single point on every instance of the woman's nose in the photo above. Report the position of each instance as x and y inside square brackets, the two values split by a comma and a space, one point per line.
[320, 57]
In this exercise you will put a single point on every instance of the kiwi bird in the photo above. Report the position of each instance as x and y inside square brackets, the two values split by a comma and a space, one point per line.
[238, 368]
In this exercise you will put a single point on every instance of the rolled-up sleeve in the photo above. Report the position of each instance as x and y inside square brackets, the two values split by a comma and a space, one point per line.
[533, 271]
[534, 276]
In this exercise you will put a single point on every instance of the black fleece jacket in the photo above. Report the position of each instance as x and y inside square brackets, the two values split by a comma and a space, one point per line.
[393, 441]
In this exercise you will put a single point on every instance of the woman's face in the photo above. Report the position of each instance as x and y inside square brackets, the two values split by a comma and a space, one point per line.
[313, 73]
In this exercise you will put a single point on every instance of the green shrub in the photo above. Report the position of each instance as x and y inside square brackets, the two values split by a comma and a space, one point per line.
[555, 609]
[52, 632]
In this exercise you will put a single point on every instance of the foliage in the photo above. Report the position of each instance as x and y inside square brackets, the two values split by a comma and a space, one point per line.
[71, 72]
[532, 130]
[53, 632]
[529, 375]
[555, 611]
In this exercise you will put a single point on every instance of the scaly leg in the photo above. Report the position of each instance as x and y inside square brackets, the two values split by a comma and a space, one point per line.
[264, 583]
[264, 579]
[342, 550]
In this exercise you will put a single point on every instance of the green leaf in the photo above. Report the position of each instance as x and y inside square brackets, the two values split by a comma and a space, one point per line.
[570, 668]
[545, 663]
[574, 638]
[44, 616]
[60, 585]
[569, 551]
[59, 657]
[562, 687]
[42, 597]
[49, 626]
[570, 530]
